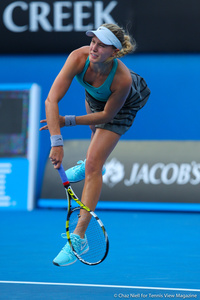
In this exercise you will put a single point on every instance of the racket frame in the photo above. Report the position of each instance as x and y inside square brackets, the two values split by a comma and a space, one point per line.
[72, 196]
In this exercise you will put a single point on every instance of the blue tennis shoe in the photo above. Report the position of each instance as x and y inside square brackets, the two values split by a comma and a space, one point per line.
[66, 256]
[77, 173]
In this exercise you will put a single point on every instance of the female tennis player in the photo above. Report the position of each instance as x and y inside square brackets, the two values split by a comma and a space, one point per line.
[114, 95]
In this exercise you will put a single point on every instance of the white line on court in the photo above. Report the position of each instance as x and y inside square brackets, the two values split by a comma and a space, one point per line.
[101, 286]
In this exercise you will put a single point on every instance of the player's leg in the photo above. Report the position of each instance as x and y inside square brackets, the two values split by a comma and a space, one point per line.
[102, 144]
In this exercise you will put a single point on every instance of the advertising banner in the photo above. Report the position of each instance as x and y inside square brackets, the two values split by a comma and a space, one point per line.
[137, 171]
[58, 26]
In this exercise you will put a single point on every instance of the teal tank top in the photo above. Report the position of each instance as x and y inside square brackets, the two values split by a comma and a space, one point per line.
[103, 92]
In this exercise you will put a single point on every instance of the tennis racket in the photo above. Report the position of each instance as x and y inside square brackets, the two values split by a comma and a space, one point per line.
[84, 220]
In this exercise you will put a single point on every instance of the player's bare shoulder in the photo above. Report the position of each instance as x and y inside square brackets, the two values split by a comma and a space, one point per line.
[78, 57]
[76, 61]
[124, 73]
[122, 77]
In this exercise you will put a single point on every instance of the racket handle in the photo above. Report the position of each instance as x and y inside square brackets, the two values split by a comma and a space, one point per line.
[63, 175]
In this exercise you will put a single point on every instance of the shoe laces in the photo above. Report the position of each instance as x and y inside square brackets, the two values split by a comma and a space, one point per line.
[76, 242]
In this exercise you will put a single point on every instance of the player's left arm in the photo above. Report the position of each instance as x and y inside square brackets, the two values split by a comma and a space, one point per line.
[118, 96]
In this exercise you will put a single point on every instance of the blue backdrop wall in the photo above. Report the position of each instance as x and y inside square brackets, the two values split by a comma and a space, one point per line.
[172, 112]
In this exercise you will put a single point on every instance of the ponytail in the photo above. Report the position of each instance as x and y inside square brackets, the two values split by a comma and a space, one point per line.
[128, 43]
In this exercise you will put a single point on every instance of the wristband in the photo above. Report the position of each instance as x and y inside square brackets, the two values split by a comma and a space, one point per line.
[56, 140]
[70, 120]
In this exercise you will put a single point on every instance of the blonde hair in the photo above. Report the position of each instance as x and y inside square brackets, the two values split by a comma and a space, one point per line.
[128, 43]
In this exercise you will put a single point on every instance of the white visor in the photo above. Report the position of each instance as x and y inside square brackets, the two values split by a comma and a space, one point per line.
[105, 36]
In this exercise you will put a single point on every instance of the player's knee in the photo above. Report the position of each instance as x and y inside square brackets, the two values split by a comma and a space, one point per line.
[92, 167]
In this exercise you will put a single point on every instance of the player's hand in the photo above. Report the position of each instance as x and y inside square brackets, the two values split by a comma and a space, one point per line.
[56, 156]
[61, 121]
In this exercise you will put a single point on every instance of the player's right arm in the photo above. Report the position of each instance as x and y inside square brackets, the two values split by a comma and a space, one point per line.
[73, 65]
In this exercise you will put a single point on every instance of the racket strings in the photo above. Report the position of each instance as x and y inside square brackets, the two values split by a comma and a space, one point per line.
[83, 222]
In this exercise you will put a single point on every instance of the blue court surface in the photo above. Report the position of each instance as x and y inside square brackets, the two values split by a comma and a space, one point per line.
[152, 255]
